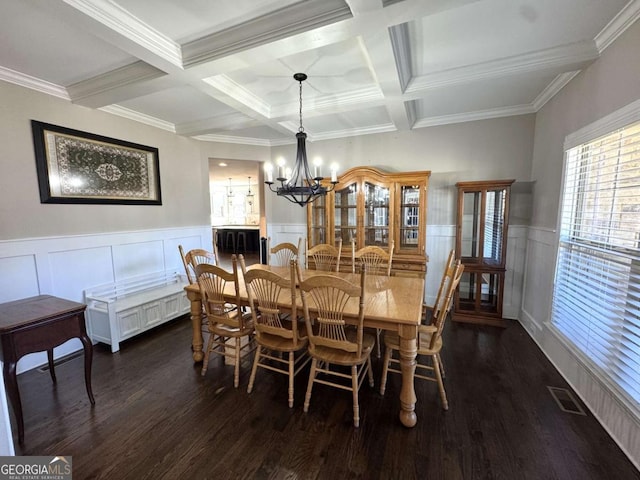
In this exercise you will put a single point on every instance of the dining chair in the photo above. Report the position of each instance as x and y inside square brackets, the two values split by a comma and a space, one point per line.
[225, 320]
[216, 242]
[325, 256]
[427, 310]
[429, 340]
[332, 343]
[282, 340]
[281, 254]
[195, 257]
[375, 261]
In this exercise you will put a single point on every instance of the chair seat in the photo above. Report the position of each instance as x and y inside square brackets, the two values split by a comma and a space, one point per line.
[392, 340]
[232, 330]
[281, 344]
[339, 357]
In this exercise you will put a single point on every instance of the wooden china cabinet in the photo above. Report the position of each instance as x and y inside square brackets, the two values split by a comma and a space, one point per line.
[373, 207]
[481, 245]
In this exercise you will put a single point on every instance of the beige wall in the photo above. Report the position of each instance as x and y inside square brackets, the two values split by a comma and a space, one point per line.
[183, 174]
[608, 84]
[499, 148]
[483, 150]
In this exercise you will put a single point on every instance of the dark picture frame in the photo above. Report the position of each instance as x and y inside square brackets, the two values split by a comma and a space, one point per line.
[80, 167]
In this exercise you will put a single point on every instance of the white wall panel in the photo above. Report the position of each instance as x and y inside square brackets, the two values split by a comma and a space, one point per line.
[66, 266]
[18, 278]
[514, 276]
[79, 268]
[134, 259]
[538, 277]
[440, 240]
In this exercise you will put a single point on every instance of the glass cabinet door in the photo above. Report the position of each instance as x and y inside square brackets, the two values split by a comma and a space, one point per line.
[493, 237]
[481, 243]
[482, 226]
[346, 214]
[376, 215]
[470, 235]
[318, 228]
[479, 292]
[409, 218]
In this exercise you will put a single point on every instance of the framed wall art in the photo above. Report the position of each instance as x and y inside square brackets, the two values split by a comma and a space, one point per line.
[80, 167]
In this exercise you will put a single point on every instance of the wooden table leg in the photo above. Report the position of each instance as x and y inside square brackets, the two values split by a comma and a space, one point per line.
[196, 325]
[88, 359]
[52, 372]
[11, 382]
[408, 353]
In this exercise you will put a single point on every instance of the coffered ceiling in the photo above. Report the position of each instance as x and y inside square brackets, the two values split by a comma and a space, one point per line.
[222, 70]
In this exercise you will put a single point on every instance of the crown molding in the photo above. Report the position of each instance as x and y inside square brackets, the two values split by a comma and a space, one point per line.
[623, 116]
[573, 54]
[353, 132]
[473, 116]
[119, 20]
[401, 46]
[412, 113]
[618, 25]
[33, 83]
[139, 117]
[236, 91]
[285, 22]
[133, 73]
[223, 122]
[553, 88]
[231, 139]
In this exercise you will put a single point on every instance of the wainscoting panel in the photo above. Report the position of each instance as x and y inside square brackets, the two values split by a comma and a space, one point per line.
[79, 268]
[514, 276]
[66, 266]
[134, 259]
[440, 240]
[19, 277]
[538, 278]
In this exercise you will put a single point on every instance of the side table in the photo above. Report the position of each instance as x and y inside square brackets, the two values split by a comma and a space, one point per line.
[36, 324]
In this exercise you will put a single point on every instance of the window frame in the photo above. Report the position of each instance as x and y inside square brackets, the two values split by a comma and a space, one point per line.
[607, 125]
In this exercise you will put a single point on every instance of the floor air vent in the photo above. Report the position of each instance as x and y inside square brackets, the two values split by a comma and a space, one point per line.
[45, 368]
[566, 401]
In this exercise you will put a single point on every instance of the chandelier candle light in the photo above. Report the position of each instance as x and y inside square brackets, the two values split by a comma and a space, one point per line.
[298, 185]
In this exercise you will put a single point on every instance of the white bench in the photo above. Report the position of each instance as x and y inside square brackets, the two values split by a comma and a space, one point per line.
[121, 310]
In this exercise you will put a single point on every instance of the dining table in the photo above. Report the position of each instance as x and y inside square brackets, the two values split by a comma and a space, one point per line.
[390, 303]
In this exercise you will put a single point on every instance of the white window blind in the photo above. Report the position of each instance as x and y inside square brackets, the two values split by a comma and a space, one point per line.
[596, 300]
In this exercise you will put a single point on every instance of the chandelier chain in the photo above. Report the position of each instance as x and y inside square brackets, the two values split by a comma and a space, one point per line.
[301, 129]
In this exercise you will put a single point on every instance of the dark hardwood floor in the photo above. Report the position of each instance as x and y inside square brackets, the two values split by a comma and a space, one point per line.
[155, 417]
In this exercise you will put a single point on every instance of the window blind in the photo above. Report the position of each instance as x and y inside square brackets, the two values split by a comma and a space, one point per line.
[596, 299]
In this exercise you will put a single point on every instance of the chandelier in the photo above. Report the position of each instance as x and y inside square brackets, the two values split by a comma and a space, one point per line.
[249, 197]
[230, 192]
[298, 185]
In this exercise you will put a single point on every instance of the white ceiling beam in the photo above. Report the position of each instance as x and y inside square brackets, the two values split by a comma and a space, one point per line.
[367, 23]
[117, 85]
[107, 20]
[388, 56]
[359, 7]
[297, 18]
[556, 59]
[220, 123]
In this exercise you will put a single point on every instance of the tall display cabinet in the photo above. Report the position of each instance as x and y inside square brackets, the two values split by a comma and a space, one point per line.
[481, 245]
[372, 208]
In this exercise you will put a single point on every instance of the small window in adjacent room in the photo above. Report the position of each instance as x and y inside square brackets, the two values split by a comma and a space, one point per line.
[596, 298]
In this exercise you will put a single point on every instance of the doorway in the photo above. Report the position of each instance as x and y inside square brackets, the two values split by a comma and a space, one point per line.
[237, 208]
